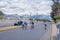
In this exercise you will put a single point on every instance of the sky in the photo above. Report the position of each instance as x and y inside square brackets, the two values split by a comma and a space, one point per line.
[22, 7]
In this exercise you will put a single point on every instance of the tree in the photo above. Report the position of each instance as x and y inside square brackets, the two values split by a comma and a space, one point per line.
[1, 14]
[54, 9]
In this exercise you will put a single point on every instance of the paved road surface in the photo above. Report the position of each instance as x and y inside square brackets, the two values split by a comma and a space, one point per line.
[37, 33]
[7, 23]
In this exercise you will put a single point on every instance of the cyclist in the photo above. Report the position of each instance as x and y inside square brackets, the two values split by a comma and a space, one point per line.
[32, 25]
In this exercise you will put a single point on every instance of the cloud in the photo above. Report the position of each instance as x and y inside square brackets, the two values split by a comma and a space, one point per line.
[3, 4]
[26, 6]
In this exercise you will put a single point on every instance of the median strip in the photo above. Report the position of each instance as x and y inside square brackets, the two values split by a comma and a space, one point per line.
[9, 28]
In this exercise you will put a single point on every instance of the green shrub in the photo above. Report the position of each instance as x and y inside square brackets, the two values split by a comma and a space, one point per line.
[42, 20]
[57, 17]
[37, 19]
[1, 17]
[30, 18]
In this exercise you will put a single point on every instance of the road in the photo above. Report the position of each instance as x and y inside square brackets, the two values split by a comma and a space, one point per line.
[37, 33]
[5, 23]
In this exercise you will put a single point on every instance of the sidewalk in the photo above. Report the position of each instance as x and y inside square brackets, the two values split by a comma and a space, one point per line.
[53, 32]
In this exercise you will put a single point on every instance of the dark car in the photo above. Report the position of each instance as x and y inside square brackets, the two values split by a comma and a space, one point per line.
[17, 23]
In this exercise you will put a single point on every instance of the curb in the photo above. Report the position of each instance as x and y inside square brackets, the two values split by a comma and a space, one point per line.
[9, 28]
[53, 34]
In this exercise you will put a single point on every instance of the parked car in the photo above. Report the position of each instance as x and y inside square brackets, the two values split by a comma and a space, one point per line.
[58, 30]
[18, 23]
[58, 25]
